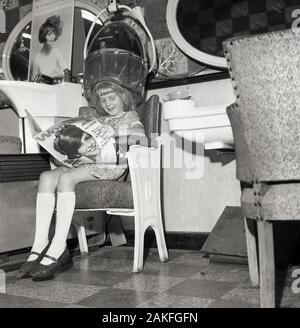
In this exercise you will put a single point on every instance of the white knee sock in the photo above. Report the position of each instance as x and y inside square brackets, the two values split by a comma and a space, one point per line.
[64, 213]
[45, 203]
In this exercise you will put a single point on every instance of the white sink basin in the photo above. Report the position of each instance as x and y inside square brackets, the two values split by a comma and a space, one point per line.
[43, 100]
[206, 124]
[46, 103]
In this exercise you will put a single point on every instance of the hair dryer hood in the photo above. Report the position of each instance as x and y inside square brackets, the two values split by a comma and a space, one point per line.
[116, 54]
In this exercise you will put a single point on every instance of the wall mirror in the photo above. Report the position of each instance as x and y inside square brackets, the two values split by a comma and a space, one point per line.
[182, 21]
[199, 27]
[17, 48]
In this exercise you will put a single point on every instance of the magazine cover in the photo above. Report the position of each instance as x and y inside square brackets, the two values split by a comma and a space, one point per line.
[52, 38]
[62, 141]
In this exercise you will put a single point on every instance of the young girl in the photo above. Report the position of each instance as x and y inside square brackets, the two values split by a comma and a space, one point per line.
[48, 258]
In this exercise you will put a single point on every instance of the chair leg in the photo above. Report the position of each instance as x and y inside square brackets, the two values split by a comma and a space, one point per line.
[81, 234]
[139, 235]
[251, 241]
[141, 225]
[115, 230]
[267, 264]
[160, 241]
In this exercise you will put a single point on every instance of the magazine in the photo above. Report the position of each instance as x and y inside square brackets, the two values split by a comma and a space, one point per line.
[89, 124]
[51, 38]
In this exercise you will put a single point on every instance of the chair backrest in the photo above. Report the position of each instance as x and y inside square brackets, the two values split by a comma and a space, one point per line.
[245, 169]
[265, 72]
[149, 113]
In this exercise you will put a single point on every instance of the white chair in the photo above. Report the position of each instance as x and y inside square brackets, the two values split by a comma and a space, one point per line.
[139, 198]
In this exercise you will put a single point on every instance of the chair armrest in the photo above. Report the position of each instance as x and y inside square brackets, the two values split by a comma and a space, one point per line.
[143, 157]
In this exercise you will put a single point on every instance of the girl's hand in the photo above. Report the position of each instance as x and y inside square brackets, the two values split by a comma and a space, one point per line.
[78, 162]
[107, 132]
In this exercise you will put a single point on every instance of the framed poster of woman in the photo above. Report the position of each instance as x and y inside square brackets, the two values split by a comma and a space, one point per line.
[51, 38]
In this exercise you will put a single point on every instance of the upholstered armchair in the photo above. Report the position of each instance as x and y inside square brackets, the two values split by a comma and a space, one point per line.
[139, 195]
[265, 72]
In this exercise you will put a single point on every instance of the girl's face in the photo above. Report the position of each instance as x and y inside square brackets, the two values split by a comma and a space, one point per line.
[50, 38]
[88, 146]
[112, 103]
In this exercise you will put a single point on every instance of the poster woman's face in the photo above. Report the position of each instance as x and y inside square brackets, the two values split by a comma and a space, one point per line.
[50, 38]
[88, 146]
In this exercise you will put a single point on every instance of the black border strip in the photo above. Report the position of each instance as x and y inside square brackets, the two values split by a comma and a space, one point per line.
[187, 80]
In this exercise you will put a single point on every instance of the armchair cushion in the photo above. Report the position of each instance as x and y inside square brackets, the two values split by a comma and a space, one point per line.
[278, 202]
[104, 194]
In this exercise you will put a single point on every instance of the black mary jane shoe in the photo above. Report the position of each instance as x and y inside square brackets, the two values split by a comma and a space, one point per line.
[25, 270]
[48, 272]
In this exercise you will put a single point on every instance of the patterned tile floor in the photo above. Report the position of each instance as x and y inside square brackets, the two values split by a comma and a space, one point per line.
[104, 280]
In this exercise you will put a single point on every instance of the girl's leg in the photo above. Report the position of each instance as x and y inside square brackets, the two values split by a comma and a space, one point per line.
[45, 204]
[65, 208]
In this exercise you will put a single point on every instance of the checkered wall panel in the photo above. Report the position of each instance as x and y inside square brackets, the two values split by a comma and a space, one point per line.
[207, 23]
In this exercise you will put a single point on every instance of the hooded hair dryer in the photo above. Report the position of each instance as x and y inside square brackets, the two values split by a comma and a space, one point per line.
[116, 54]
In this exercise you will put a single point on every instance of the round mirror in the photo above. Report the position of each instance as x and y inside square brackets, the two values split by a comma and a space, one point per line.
[175, 22]
[17, 48]
[199, 27]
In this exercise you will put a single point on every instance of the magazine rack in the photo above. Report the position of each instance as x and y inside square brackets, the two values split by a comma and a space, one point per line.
[139, 198]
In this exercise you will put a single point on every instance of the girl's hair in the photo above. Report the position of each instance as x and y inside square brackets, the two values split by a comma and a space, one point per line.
[102, 88]
[68, 140]
[52, 24]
